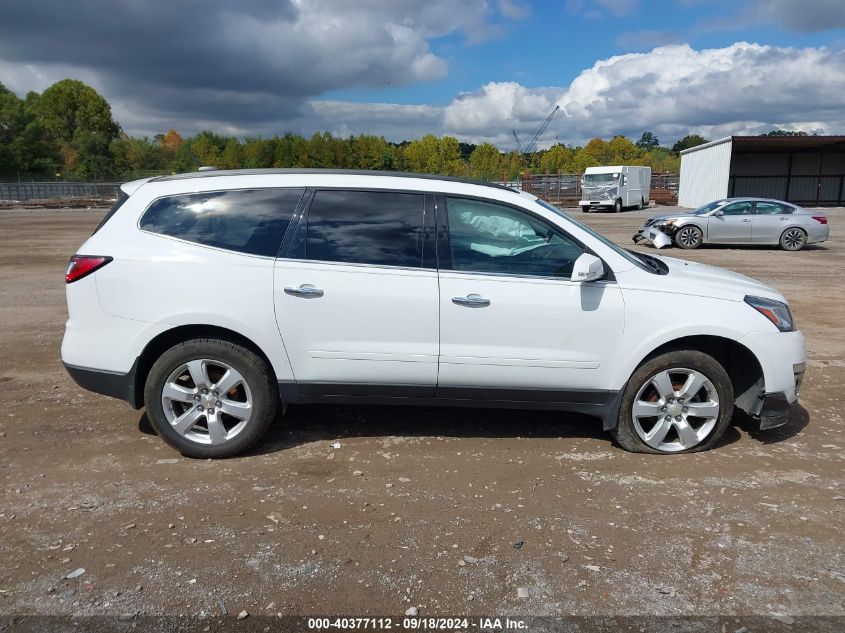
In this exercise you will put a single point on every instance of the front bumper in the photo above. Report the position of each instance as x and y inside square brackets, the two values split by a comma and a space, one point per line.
[653, 235]
[775, 411]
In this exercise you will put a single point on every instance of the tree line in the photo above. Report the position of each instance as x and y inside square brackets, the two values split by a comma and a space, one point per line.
[67, 132]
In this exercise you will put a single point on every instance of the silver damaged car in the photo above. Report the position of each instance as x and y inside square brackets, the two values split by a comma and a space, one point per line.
[738, 221]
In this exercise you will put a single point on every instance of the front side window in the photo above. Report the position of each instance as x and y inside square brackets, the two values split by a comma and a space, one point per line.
[738, 208]
[251, 221]
[492, 238]
[707, 208]
[772, 208]
[366, 227]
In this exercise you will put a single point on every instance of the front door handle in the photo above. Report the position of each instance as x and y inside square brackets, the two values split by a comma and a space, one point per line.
[471, 301]
[304, 290]
[746, 219]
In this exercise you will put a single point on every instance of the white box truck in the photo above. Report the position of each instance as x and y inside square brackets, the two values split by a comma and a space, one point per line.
[615, 187]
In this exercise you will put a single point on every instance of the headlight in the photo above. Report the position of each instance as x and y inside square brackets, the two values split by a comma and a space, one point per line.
[775, 311]
[666, 222]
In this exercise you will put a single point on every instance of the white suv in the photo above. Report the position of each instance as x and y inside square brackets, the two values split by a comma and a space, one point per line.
[213, 298]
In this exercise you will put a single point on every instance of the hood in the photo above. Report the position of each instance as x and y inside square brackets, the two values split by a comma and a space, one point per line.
[709, 281]
[668, 216]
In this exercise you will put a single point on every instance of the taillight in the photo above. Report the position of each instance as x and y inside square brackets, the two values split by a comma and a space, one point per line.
[81, 265]
[821, 219]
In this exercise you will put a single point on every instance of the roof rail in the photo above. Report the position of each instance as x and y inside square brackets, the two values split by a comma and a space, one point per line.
[208, 168]
[213, 171]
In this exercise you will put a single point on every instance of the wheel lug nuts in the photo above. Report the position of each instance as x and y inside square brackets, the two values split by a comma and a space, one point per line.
[663, 409]
[668, 417]
[205, 391]
[196, 398]
[686, 409]
[217, 404]
[671, 400]
[681, 400]
[199, 407]
[677, 418]
[211, 411]
[214, 393]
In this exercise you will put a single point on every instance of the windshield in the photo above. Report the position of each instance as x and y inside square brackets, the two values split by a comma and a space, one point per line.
[631, 257]
[707, 208]
[593, 180]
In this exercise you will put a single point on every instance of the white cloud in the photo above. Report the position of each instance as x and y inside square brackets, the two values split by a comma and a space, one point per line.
[672, 90]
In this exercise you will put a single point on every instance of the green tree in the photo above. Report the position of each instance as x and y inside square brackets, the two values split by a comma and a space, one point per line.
[25, 146]
[557, 158]
[232, 157]
[207, 147]
[648, 141]
[485, 162]
[690, 140]
[80, 121]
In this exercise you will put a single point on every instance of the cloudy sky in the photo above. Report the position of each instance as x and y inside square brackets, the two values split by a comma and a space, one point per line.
[471, 68]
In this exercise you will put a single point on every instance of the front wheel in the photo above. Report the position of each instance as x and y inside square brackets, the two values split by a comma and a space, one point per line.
[617, 207]
[793, 239]
[210, 398]
[678, 402]
[689, 237]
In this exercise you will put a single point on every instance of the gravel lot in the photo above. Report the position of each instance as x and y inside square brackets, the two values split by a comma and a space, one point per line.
[445, 499]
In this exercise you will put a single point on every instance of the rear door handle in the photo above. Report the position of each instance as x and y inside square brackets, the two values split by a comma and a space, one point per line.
[746, 219]
[471, 301]
[304, 290]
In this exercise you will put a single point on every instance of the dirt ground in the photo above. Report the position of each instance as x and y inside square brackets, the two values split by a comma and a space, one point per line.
[456, 510]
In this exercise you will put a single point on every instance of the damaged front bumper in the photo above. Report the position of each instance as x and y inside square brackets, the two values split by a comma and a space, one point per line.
[652, 235]
[775, 407]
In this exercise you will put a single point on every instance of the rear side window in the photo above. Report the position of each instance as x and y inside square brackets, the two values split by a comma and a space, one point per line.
[366, 227]
[250, 221]
[121, 198]
[772, 208]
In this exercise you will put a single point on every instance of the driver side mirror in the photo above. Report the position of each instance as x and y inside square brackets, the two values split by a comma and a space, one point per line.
[587, 268]
[718, 213]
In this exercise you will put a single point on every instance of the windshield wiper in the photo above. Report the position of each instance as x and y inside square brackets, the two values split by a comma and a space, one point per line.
[648, 260]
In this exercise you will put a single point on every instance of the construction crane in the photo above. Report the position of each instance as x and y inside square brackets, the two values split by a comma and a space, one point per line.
[518, 144]
[533, 144]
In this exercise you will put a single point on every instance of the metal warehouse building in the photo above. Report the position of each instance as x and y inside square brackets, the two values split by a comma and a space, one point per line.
[806, 170]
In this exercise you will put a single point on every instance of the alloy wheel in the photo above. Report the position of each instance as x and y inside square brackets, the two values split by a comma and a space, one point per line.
[675, 409]
[689, 236]
[207, 401]
[793, 239]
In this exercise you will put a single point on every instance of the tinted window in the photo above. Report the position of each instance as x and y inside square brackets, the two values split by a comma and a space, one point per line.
[366, 227]
[738, 208]
[772, 208]
[250, 221]
[487, 237]
[121, 198]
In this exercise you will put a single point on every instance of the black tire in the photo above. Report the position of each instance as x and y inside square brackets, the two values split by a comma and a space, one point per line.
[644, 203]
[257, 375]
[793, 239]
[585, 209]
[617, 206]
[688, 237]
[626, 433]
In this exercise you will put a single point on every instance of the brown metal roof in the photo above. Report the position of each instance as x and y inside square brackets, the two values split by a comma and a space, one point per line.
[787, 143]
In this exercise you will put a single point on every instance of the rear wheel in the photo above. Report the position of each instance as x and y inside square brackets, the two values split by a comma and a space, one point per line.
[678, 402]
[793, 239]
[210, 398]
[689, 237]
[617, 207]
